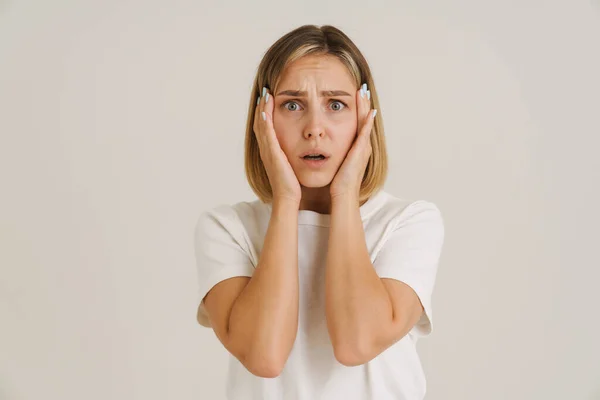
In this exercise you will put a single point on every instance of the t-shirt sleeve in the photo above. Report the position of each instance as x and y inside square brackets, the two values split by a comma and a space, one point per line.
[411, 254]
[220, 252]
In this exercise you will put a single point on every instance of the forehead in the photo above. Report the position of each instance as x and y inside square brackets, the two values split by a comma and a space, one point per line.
[326, 71]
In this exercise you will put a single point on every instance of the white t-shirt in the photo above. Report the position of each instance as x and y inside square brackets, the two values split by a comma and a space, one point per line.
[404, 239]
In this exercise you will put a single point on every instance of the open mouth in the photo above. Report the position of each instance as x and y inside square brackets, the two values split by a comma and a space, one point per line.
[315, 160]
[314, 157]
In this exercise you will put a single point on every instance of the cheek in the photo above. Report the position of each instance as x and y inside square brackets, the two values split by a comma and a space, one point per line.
[345, 130]
[347, 142]
[279, 123]
[283, 134]
[352, 123]
[346, 133]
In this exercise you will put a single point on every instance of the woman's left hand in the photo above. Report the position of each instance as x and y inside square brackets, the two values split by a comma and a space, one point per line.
[348, 179]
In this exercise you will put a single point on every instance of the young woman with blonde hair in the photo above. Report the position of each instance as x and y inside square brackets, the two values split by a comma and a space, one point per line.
[321, 288]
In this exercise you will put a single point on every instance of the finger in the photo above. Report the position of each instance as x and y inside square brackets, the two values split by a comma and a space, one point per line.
[361, 110]
[257, 111]
[359, 105]
[267, 117]
[260, 119]
[265, 122]
[365, 104]
[269, 101]
[367, 128]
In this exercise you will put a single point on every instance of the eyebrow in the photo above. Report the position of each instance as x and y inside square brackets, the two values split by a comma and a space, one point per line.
[324, 93]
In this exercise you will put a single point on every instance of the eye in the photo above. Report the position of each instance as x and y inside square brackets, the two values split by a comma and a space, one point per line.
[337, 105]
[284, 105]
[340, 106]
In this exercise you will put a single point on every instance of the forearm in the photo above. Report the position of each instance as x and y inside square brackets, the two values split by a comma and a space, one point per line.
[358, 307]
[265, 315]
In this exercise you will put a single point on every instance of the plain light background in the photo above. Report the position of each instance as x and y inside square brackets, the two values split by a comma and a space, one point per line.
[121, 121]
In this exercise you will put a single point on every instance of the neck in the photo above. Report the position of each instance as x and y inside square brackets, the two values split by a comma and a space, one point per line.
[316, 199]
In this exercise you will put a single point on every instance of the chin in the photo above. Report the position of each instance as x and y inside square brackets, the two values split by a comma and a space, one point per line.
[314, 180]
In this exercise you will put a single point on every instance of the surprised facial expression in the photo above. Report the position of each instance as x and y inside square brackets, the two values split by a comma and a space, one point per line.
[315, 111]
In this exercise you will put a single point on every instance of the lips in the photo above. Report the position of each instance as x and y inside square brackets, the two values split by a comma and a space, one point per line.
[314, 157]
[314, 163]
[315, 152]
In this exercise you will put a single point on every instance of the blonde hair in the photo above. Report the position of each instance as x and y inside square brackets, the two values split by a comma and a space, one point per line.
[300, 42]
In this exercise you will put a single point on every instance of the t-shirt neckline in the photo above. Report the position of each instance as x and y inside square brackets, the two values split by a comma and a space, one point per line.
[309, 217]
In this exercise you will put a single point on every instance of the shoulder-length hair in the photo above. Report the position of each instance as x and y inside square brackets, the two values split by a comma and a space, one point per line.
[303, 41]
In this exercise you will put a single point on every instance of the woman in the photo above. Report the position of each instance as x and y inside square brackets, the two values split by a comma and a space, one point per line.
[321, 287]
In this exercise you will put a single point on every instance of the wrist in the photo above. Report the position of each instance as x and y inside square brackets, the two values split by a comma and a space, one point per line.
[285, 204]
[349, 198]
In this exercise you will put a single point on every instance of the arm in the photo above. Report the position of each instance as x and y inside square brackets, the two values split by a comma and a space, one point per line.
[365, 314]
[259, 325]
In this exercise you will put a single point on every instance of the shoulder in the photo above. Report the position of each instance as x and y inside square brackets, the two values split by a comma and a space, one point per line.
[231, 217]
[399, 211]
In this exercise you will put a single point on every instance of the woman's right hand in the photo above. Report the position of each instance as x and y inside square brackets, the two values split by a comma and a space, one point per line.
[284, 183]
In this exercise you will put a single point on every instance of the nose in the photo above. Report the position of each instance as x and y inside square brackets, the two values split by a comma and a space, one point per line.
[310, 134]
[314, 127]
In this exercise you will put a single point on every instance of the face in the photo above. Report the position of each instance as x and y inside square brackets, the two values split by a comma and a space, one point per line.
[312, 119]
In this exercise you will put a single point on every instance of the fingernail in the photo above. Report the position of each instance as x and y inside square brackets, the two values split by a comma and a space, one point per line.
[374, 113]
[258, 100]
[364, 87]
[369, 94]
[264, 91]
[264, 116]
[267, 98]
[362, 95]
